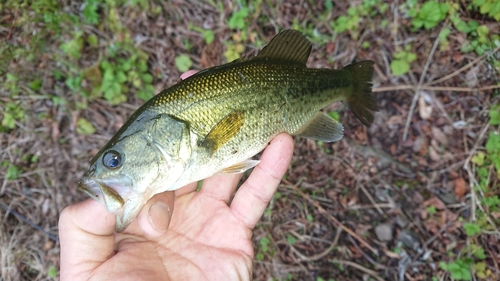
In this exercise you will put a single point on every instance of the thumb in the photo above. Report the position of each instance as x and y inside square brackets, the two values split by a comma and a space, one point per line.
[86, 234]
[154, 217]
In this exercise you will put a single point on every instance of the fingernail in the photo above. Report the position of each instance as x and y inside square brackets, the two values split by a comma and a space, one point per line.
[159, 216]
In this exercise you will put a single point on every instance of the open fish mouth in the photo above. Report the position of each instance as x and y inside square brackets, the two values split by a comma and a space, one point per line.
[117, 195]
[105, 192]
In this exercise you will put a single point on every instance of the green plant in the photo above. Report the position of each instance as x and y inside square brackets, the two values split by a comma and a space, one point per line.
[13, 112]
[84, 127]
[489, 7]
[355, 15]
[402, 60]
[208, 35]
[238, 18]
[472, 229]
[431, 210]
[263, 248]
[13, 171]
[459, 269]
[183, 63]
[430, 14]
[73, 47]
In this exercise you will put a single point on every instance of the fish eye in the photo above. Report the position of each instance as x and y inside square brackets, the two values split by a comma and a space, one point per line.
[112, 159]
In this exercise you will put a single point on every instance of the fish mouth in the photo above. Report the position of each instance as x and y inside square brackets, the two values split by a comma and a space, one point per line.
[117, 195]
[103, 193]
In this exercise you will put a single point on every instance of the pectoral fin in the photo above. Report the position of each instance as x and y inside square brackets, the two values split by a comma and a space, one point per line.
[241, 167]
[323, 128]
[224, 131]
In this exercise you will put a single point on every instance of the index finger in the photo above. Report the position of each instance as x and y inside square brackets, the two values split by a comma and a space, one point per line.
[252, 198]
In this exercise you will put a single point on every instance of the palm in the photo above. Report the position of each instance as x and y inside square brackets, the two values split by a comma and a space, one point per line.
[206, 237]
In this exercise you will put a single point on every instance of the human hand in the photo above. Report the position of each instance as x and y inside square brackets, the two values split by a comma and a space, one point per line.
[198, 236]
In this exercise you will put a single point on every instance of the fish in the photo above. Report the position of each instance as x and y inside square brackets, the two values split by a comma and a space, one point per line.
[218, 119]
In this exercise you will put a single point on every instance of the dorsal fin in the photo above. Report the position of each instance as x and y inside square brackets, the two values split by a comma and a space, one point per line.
[288, 45]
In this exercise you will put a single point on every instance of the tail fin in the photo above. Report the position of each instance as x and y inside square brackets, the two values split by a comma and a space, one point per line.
[361, 99]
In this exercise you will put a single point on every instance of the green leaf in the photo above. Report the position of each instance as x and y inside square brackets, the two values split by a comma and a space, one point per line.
[13, 172]
[90, 12]
[335, 115]
[495, 115]
[121, 77]
[146, 93]
[431, 210]
[478, 159]
[430, 14]
[147, 78]
[183, 63]
[92, 40]
[84, 127]
[52, 272]
[471, 229]
[209, 36]
[399, 67]
[492, 202]
[36, 84]
[479, 253]
[482, 31]
[237, 19]
[411, 57]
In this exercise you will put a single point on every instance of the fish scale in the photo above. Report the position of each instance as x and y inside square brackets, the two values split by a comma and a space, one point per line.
[218, 119]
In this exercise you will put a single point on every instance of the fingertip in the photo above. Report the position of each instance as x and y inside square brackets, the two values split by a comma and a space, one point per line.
[154, 217]
[187, 74]
[89, 216]
[278, 154]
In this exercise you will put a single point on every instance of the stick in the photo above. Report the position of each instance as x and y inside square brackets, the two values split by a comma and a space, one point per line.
[332, 218]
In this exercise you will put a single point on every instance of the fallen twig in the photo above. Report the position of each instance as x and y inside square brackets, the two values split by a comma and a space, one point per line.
[362, 268]
[330, 217]
[417, 90]
[24, 219]
[434, 88]
[320, 255]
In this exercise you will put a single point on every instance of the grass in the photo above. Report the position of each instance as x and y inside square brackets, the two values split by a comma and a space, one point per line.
[71, 73]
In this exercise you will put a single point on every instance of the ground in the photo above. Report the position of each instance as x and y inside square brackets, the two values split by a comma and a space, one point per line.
[414, 196]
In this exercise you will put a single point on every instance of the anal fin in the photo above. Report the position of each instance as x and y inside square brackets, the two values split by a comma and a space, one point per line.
[241, 167]
[323, 128]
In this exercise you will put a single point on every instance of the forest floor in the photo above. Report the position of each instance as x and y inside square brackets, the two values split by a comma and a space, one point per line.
[414, 196]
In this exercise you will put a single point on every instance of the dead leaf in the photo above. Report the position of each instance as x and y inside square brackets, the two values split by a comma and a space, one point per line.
[439, 135]
[471, 77]
[48, 245]
[436, 202]
[460, 187]
[434, 154]
[419, 143]
[424, 109]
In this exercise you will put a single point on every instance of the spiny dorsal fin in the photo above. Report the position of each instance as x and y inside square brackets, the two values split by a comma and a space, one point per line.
[288, 45]
[224, 131]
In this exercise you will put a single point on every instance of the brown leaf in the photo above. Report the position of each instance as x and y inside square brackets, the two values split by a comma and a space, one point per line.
[439, 135]
[434, 154]
[436, 202]
[424, 109]
[460, 187]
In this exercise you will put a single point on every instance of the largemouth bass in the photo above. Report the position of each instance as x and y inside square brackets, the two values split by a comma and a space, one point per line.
[218, 119]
